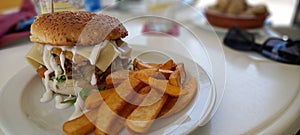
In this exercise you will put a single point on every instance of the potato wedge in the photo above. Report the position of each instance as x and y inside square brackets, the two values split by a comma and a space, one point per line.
[165, 69]
[108, 112]
[128, 88]
[118, 76]
[176, 104]
[143, 75]
[119, 122]
[165, 111]
[175, 78]
[166, 73]
[114, 104]
[139, 65]
[94, 100]
[99, 132]
[169, 65]
[142, 117]
[81, 125]
[164, 86]
[147, 72]
[154, 65]
[181, 69]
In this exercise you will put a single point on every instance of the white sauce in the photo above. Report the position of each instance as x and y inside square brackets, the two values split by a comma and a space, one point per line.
[62, 59]
[78, 104]
[93, 80]
[59, 105]
[51, 66]
[123, 50]
[74, 49]
[46, 80]
[56, 69]
[54, 66]
[54, 84]
[48, 95]
[93, 58]
[45, 54]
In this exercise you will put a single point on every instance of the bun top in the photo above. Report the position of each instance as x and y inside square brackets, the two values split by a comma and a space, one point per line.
[68, 28]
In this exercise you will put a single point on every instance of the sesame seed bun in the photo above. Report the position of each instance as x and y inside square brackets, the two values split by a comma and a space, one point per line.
[68, 28]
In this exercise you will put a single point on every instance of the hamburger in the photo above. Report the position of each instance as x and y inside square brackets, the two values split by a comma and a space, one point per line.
[75, 50]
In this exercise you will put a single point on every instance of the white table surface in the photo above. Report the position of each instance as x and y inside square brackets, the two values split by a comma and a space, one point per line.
[261, 96]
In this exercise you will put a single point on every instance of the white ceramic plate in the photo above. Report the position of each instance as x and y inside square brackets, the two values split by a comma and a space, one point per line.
[22, 113]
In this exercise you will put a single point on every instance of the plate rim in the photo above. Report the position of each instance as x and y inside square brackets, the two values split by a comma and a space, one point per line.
[5, 127]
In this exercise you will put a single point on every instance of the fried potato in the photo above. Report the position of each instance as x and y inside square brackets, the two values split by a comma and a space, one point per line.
[119, 122]
[99, 132]
[116, 124]
[161, 85]
[142, 117]
[175, 78]
[181, 69]
[169, 65]
[147, 72]
[94, 100]
[165, 111]
[129, 107]
[143, 75]
[141, 95]
[165, 69]
[108, 112]
[118, 76]
[81, 125]
[176, 104]
[139, 65]
[155, 65]
[166, 73]
[128, 88]
[114, 104]
[164, 86]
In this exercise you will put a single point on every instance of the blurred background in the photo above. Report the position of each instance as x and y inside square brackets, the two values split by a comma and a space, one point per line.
[282, 19]
[282, 11]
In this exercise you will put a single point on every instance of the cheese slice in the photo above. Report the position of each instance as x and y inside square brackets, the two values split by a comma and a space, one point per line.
[106, 55]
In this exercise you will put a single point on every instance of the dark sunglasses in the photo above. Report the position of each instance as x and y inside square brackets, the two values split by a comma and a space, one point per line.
[285, 51]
